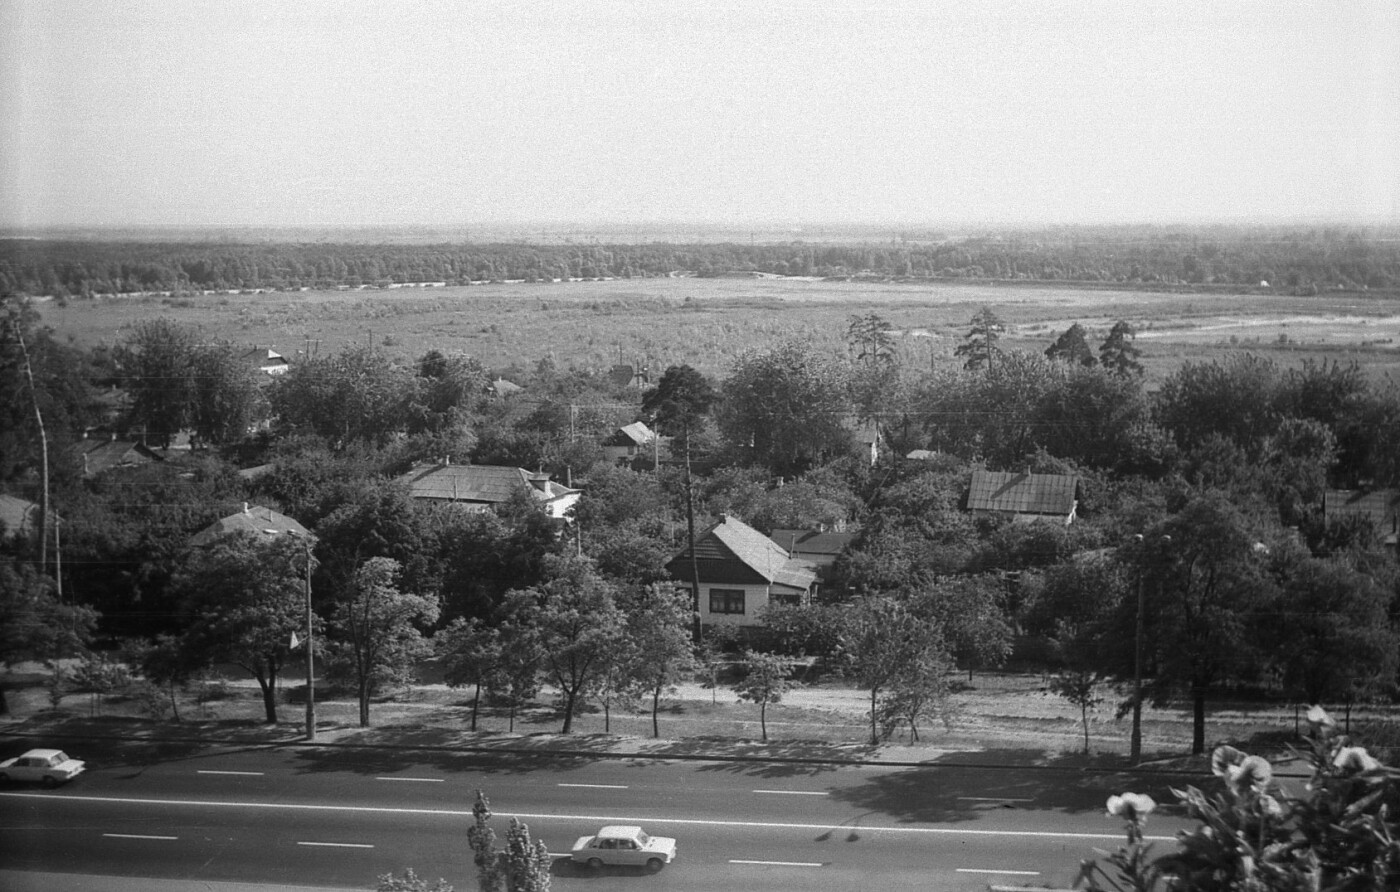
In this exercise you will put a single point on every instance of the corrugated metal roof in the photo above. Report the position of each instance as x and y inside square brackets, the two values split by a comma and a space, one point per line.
[1021, 493]
[732, 540]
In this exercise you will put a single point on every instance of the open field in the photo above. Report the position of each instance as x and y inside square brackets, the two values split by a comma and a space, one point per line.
[707, 322]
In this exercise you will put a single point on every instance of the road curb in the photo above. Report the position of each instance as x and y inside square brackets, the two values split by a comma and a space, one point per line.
[609, 755]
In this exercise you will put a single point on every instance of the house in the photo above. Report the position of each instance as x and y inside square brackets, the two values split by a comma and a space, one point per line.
[18, 518]
[865, 435]
[483, 487]
[820, 548]
[1379, 506]
[630, 442]
[501, 388]
[266, 361]
[741, 573]
[1022, 496]
[101, 456]
[255, 519]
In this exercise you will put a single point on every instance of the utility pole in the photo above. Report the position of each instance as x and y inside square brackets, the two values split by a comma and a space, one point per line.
[43, 457]
[310, 654]
[1135, 746]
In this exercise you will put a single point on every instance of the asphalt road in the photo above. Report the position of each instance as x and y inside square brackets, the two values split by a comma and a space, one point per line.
[342, 816]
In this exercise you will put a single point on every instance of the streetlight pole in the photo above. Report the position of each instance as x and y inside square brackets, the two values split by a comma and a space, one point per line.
[310, 655]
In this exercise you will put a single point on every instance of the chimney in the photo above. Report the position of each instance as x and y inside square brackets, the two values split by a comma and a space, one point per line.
[245, 508]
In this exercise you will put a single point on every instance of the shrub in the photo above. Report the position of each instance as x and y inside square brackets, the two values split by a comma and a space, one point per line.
[1340, 834]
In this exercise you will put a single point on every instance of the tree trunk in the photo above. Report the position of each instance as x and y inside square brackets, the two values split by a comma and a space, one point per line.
[655, 705]
[364, 702]
[269, 694]
[569, 697]
[763, 719]
[1198, 720]
[475, 701]
[174, 703]
[874, 735]
[1084, 717]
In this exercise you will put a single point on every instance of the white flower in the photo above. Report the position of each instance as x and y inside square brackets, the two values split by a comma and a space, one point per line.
[1131, 806]
[1355, 758]
[1254, 772]
[1224, 759]
[1319, 719]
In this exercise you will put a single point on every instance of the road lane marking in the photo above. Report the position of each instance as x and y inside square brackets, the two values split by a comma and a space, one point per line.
[338, 845]
[793, 792]
[234, 773]
[136, 836]
[416, 780]
[779, 863]
[1019, 873]
[992, 799]
[597, 786]
[552, 816]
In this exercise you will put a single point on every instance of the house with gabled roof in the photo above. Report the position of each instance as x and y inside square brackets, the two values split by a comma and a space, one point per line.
[1023, 496]
[630, 442]
[101, 456]
[742, 572]
[257, 519]
[1379, 507]
[820, 548]
[484, 487]
[266, 361]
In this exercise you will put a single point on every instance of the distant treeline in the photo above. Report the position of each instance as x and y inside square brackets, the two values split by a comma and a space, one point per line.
[1299, 260]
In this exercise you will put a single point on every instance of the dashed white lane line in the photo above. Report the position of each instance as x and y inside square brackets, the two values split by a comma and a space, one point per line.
[1018, 873]
[233, 773]
[779, 863]
[605, 819]
[338, 845]
[415, 780]
[793, 792]
[136, 836]
[596, 786]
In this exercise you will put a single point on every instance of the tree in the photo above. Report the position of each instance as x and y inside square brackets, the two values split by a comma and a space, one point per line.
[379, 628]
[1118, 353]
[527, 863]
[680, 402]
[243, 597]
[576, 622]
[869, 340]
[884, 641]
[44, 395]
[980, 343]
[1071, 347]
[1235, 399]
[225, 400]
[766, 680]
[410, 882]
[1081, 688]
[35, 624]
[1203, 621]
[471, 655]
[660, 653]
[783, 409]
[356, 395]
[491, 873]
[159, 370]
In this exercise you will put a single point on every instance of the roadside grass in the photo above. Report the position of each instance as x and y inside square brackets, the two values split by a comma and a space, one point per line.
[1002, 712]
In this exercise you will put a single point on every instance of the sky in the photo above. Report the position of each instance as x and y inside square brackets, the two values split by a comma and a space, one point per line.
[870, 112]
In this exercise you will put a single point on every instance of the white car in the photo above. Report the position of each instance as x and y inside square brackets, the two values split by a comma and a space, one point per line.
[620, 844]
[48, 767]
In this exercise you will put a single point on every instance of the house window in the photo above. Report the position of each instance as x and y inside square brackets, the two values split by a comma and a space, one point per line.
[726, 600]
[786, 600]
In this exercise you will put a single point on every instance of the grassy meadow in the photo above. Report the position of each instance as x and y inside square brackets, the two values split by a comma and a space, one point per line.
[708, 322]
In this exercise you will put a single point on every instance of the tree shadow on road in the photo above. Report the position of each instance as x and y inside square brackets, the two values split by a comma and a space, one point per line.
[966, 786]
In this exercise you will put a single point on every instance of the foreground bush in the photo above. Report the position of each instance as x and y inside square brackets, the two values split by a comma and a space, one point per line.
[1339, 835]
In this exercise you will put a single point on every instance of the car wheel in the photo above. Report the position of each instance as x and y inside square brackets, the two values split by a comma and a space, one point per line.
[49, 782]
[595, 864]
[655, 864]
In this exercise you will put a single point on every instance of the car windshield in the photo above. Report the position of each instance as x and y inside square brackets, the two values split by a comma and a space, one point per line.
[57, 759]
[642, 839]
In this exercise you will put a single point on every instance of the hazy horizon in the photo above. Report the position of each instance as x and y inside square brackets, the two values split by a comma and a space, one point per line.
[598, 115]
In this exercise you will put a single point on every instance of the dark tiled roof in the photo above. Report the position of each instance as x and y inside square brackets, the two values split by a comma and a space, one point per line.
[103, 455]
[255, 519]
[491, 484]
[1021, 493]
